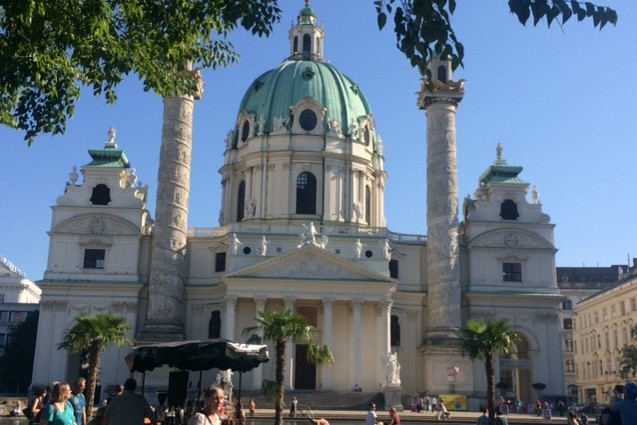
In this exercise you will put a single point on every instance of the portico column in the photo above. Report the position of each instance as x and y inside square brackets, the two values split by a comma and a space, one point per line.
[231, 303]
[328, 338]
[356, 313]
[257, 372]
[384, 327]
[289, 346]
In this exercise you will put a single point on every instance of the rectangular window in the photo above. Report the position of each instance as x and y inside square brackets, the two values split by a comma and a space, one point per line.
[511, 272]
[94, 258]
[568, 345]
[393, 269]
[622, 307]
[220, 261]
[567, 305]
[568, 323]
[633, 304]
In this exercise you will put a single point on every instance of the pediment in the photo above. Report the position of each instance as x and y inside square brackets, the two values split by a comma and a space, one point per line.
[510, 239]
[310, 263]
[96, 224]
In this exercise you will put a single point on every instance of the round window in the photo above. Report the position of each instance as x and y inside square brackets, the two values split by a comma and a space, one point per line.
[308, 120]
[247, 250]
[245, 131]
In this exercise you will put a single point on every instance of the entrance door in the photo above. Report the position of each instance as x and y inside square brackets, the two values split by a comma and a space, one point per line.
[304, 371]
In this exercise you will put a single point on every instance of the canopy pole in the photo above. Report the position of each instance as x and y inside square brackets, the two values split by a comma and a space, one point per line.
[199, 388]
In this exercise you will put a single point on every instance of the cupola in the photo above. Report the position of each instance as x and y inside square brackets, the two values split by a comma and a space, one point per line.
[306, 38]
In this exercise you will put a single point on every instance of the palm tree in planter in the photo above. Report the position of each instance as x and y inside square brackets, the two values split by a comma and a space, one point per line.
[281, 327]
[483, 341]
[91, 335]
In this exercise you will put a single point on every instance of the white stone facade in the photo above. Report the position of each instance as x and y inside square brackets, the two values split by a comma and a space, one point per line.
[329, 256]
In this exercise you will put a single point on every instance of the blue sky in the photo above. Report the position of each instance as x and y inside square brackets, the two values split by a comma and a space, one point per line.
[561, 101]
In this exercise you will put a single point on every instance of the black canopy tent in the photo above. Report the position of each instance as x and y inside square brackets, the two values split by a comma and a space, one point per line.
[198, 355]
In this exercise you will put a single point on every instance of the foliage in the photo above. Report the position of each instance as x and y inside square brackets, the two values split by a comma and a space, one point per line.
[90, 336]
[16, 365]
[50, 49]
[628, 356]
[281, 327]
[483, 341]
[423, 27]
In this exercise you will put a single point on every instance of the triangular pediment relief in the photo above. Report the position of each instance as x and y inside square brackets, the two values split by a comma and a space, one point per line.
[310, 263]
[510, 239]
[96, 224]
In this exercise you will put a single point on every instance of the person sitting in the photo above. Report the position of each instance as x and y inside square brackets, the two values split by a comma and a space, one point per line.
[442, 412]
[17, 408]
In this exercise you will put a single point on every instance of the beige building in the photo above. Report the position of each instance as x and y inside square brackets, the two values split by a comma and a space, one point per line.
[577, 284]
[601, 327]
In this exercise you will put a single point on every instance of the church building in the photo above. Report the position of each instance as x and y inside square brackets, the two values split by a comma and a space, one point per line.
[302, 227]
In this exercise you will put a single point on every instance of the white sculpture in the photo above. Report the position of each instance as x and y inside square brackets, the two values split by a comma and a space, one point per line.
[359, 248]
[234, 244]
[535, 195]
[251, 207]
[335, 129]
[385, 249]
[73, 175]
[309, 235]
[353, 130]
[392, 375]
[263, 251]
[112, 133]
[229, 139]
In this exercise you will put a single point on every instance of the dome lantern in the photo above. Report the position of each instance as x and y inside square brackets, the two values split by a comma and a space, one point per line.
[306, 38]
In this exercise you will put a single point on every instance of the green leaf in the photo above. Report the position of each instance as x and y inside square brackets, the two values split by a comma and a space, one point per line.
[382, 20]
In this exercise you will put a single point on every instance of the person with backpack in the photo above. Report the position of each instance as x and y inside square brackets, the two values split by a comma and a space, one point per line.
[59, 411]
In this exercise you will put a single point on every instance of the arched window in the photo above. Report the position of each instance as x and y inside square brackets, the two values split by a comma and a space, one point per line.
[101, 195]
[214, 325]
[307, 44]
[296, 44]
[442, 73]
[394, 331]
[306, 193]
[368, 205]
[509, 210]
[241, 200]
[245, 131]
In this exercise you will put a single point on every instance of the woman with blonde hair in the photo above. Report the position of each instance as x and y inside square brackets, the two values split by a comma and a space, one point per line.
[212, 409]
[59, 411]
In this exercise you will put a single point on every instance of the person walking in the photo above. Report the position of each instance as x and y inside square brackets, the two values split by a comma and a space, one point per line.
[212, 410]
[483, 419]
[293, 406]
[128, 408]
[252, 407]
[78, 401]
[59, 411]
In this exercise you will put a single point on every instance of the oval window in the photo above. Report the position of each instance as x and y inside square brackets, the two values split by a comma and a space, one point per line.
[308, 120]
[245, 131]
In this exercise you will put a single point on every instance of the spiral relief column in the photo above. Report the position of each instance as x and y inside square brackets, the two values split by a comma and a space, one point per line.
[443, 251]
[165, 315]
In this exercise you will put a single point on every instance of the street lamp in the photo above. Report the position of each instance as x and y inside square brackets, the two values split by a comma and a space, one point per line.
[452, 372]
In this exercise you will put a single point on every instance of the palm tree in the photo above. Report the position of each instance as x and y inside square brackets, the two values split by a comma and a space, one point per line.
[482, 341]
[91, 335]
[281, 327]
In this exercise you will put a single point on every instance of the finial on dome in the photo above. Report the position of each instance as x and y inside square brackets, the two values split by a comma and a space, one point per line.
[498, 155]
[112, 133]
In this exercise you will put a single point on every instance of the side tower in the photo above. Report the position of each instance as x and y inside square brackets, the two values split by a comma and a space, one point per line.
[511, 275]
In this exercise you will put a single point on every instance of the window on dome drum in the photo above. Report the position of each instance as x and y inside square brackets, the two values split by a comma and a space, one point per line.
[442, 73]
[245, 131]
[296, 45]
[308, 120]
[511, 272]
[94, 258]
[393, 269]
[394, 331]
[214, 324]
[220, 261]
[306, 193]
[368, 204]
[241, 200]
[101, 195]
[509, 210]
[307, 45]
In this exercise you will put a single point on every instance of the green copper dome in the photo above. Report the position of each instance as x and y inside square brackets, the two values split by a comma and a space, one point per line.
[272, 93]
